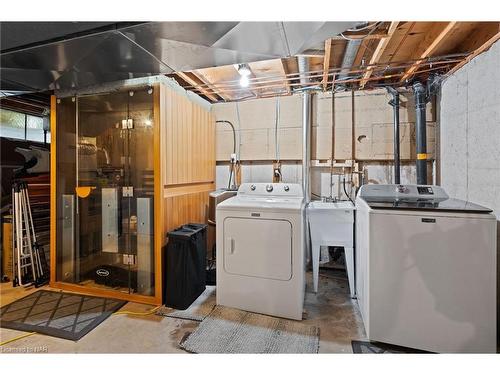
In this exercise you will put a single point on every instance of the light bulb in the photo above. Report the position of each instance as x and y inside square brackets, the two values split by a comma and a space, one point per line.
[244, 81]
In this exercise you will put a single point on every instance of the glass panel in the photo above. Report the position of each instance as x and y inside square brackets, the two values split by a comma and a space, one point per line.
[102, 211]
[105, 191]
[34, 128]
[66, 244]
[12, 124]
[140, 176]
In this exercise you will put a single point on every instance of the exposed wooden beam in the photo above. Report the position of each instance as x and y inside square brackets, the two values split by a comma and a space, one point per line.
[285, 73]
[191, 79]
[357, 35]
[435, 43]
[326, 62]
[478, 51]
[203, 79]
[382, 45]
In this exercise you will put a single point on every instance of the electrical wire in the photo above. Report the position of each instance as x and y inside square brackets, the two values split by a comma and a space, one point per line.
[149, 312]
[17, 338]
[276, 125]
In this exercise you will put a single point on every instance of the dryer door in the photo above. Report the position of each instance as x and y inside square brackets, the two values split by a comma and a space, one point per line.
[258, 248]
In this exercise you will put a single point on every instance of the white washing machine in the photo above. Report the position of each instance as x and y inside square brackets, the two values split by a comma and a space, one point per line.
[260, 250]
[426, 269]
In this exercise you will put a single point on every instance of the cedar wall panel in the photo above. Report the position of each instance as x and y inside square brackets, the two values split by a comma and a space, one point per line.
[188, 152]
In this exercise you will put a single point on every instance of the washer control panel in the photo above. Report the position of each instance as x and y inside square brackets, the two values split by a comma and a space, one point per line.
[379, 191]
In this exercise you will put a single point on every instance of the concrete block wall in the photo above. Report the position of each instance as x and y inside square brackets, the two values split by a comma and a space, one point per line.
[373, 137]
[470, 135]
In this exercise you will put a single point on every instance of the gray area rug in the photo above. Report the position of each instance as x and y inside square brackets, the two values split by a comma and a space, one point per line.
[65, 315]
[367, 347]
[198, 310]
[228, 330]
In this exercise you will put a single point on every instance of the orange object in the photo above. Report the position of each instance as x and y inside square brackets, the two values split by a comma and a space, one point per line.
[84, 191]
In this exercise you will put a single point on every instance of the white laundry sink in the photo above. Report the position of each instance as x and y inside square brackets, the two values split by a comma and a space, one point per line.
[332, 224]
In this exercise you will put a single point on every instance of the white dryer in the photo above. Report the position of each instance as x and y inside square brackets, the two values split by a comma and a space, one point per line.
[426, 269]
[260, 250]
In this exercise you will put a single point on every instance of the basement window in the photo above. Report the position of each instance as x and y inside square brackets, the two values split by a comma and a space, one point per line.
[19, 125]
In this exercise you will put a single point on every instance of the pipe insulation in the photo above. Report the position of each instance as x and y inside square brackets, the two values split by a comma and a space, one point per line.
[420, 94]
[394, 102]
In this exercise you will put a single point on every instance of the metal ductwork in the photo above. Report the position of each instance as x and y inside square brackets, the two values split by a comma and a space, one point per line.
[420, 94]
[394, 102]
[73, 55]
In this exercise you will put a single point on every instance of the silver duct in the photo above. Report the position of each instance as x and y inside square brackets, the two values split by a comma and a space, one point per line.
[303, 64]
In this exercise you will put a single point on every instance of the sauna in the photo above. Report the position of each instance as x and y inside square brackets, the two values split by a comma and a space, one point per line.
[130, 162]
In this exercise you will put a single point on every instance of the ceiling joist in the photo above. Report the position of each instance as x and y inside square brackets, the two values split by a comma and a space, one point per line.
[435, 42]
[382, 45]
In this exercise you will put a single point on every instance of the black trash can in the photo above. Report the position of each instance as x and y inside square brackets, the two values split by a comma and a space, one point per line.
[185, 265]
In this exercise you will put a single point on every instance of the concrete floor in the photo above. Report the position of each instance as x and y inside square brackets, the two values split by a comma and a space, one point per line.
[331, 310]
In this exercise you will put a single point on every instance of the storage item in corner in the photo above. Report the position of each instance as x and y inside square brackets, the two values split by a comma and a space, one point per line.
[185, 262]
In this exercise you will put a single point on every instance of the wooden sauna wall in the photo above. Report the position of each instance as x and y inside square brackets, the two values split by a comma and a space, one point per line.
[187, 149]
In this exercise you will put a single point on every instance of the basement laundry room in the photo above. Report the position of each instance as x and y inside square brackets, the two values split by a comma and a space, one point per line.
[327, 188]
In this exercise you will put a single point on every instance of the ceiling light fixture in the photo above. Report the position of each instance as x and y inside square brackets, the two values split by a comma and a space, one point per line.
[244, 81]
[245, 72]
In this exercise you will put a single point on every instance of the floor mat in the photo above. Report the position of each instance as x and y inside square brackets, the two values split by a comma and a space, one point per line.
[198, 310]
[366, 347]
[65, 315]
[228, 330]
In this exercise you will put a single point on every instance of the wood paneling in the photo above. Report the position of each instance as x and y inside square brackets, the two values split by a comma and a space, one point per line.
[188, 149]
[188, 139]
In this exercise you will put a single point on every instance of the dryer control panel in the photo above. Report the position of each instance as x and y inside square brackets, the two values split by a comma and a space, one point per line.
[271, 189]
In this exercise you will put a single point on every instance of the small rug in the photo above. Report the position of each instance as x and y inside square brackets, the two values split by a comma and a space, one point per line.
[228, 330]
[198, 310]
[366, 347]
[65, 315]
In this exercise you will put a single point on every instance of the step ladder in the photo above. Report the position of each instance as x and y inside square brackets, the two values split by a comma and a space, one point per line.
[29, 264]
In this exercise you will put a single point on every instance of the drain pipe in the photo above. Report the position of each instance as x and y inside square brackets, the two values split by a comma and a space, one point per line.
[419, 92]
[394, 102]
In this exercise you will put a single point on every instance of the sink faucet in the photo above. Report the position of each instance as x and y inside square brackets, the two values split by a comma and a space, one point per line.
[329, 199]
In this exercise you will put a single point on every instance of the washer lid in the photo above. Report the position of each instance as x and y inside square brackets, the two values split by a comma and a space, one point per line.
[446, 205]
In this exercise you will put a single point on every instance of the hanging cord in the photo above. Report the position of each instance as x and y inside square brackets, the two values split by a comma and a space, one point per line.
[231, 169]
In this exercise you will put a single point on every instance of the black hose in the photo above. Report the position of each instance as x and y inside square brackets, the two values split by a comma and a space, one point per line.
[345, 191]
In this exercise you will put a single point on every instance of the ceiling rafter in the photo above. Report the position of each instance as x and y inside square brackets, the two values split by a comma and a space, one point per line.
[326, 62]
[190, 77]
[436, 42]
[382, 45]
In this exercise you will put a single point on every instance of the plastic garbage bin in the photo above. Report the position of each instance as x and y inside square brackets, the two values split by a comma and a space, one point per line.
[185, 265]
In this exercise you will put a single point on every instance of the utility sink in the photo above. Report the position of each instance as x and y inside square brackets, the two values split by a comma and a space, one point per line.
[332, 224]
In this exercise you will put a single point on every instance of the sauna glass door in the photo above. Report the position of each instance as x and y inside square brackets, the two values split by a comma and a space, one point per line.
[112, 204]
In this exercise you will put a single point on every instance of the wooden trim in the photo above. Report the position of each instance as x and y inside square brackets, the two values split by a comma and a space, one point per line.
[382, 45]
[191, 188]
[436, 42]
[53, 201]
[150, 300]
[158, 185]
[477, 52]
[326, 62]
